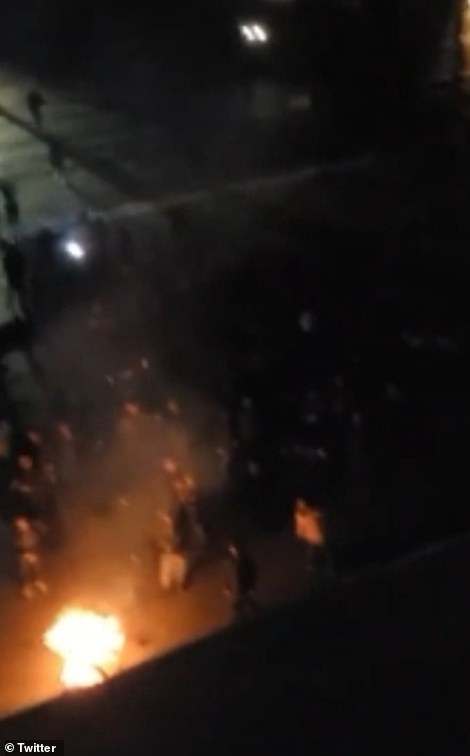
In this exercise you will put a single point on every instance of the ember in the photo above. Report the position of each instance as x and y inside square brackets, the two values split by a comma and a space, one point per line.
[89, 645]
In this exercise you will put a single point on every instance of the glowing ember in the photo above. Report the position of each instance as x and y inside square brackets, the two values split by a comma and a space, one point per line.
[89, 645]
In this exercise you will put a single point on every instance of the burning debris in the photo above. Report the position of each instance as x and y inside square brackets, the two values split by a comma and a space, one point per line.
[89, 645]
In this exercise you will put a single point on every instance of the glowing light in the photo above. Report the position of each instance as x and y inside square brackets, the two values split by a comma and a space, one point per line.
[89, 645]
[260, 33]
[248, 33]
[254, 34]
[74, 249]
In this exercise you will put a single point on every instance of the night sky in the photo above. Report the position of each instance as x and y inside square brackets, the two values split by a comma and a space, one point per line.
[384, 42]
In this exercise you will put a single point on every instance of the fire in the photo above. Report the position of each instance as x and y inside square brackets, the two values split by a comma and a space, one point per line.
[89, 645]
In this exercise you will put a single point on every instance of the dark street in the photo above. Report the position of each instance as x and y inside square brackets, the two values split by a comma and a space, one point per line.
[234, 388]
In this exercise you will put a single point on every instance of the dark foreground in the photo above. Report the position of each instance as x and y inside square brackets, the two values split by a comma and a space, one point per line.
[376, 665]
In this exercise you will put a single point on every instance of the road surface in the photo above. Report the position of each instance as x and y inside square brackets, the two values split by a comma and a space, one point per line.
[375, 666]
[154, 622]
[113, 158]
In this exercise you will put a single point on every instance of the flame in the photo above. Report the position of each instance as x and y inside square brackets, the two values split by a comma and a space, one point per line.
[88, 643]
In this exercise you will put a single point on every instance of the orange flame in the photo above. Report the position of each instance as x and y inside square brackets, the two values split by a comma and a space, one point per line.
[89, 645]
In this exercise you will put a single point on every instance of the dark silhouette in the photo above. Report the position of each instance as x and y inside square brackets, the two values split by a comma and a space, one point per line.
[10, 204]
[56, 157]
[14, 265]
[36, 102]
[242, 582]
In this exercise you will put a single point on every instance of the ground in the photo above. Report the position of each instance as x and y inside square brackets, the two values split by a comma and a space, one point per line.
[114, 158]
[155, 622]
[375, 664]
[370, 647]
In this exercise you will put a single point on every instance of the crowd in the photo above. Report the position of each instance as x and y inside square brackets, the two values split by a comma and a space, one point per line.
[307, 354]
[46, 467]
[35, 509]
[310, 415]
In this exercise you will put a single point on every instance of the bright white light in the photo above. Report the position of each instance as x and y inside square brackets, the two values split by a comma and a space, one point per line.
[248, 33]
[254, 34]
[260, 33]
[74, 249]
[88, 644]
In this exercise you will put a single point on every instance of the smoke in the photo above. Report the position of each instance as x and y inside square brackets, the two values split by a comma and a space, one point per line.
[115, 515]
[150, 340]
[108, 357]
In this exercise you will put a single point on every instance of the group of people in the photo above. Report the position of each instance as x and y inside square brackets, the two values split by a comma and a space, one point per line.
[182, 541]
[31, 509]
[180, 536]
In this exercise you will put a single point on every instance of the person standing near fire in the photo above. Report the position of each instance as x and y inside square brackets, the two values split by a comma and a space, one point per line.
[24, 488]
[309, 527]
[27, 542]
[185, 536]
[242, 582]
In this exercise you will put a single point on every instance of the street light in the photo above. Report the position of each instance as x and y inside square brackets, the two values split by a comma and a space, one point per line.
[247, 33]
[254, 33]
[74, 249]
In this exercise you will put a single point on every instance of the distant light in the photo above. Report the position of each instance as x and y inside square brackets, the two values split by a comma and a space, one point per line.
[254, 34]
[248, 33]
[74, 249]
[260, 33]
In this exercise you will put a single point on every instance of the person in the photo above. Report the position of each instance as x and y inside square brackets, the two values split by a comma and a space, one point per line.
[242, 582]
[26, 537]
[197, 541]
[173, 566]
[183, 488]
[24, 488]
[36, 102]
[14, 265]
[10, 204]
[56, 158]
[172, 560]
[309, 527]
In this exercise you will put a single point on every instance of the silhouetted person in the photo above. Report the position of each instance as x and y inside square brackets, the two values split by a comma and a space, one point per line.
[27, 542]
[14, 265]
[24, 488]
[10, 204]
[36, 103]
[56, 158]
[242, 582]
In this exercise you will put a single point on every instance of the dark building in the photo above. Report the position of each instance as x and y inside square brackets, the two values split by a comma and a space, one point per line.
[199, 41]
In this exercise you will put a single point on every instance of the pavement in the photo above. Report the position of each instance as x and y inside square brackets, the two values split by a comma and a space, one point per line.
[378, 665]
[155, 622]
[112, 158]
[94, 147]
[115, 160]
